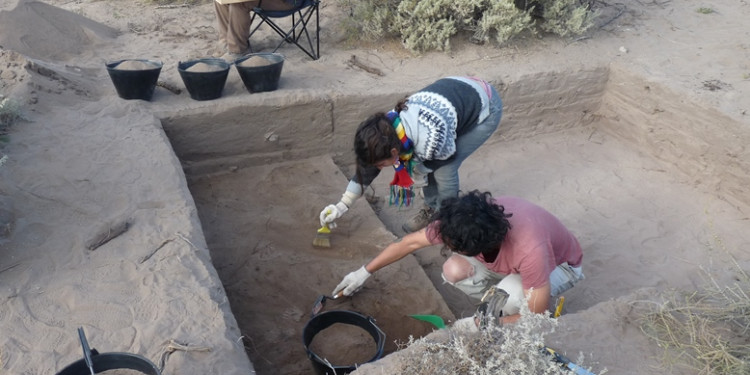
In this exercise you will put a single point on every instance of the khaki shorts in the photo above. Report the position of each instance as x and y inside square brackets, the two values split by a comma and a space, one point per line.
[562, 278]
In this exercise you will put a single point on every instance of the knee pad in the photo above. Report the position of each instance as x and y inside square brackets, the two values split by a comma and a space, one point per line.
[511, 284]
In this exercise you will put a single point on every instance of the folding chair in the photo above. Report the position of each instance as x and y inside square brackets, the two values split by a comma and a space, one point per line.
[301, 16]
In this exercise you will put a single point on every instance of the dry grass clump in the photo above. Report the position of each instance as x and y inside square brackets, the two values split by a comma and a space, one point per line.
[707, 331]
[496, 350]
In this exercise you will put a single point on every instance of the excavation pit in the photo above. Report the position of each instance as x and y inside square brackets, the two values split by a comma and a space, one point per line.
[603, 149]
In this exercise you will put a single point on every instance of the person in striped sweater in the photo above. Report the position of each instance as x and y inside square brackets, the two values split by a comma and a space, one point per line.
[425, 138]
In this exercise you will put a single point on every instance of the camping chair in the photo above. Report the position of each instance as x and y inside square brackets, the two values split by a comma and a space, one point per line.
[301, 16]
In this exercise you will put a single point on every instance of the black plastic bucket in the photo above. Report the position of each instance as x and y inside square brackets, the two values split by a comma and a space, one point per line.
[326, 319]
[263, 77]
[204, 85]
[135, 84]
[111, 361]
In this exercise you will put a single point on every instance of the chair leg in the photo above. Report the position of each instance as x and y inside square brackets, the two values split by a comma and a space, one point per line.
[299, 19]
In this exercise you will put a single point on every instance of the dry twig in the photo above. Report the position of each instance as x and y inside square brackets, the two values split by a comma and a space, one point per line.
[174, 89]
[354, 62]
[107, 234]
[173, 346]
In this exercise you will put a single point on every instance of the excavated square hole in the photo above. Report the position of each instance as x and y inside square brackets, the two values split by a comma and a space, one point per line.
[630, 167]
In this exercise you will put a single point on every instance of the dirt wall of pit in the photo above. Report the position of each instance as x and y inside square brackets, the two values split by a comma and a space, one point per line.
[296, 124]
[705, 148]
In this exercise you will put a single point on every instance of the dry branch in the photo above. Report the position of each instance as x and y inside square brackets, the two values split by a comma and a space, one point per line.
[354, 62]
[107, 234]
[174, 89]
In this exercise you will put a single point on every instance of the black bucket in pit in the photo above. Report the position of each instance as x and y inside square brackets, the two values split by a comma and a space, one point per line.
[260, 71]
[204, 85]
[95, 363]
[111, 361]
[326, 319]
[132, 83]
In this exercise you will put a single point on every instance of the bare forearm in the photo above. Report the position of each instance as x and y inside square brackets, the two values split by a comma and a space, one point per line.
[509, 319]
[397, 250]
[537, 300]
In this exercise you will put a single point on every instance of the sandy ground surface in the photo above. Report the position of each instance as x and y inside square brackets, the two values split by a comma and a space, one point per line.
[635, 136]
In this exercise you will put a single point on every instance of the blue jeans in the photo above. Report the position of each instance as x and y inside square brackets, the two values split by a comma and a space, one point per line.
[442, 183]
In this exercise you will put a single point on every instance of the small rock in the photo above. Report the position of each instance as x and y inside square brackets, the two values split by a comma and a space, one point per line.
[271, 137]
[623, 49]
[8, 75]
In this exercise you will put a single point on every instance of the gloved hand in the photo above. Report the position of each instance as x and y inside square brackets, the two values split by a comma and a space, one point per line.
[466, 325]
[331, 213]
[352, 282]
[335, 211]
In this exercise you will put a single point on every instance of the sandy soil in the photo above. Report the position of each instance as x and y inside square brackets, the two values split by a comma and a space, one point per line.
[635, 136]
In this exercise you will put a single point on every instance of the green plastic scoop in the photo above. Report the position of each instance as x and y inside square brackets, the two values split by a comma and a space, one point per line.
[434, 319]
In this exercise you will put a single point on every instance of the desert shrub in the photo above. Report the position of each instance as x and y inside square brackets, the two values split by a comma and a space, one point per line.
[501, 21]
[10, 112]
[566, 18]
[496, 350]
[368, 19]
[424, 25]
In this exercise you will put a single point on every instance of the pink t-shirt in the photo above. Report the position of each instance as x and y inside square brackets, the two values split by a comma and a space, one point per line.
[536, 243]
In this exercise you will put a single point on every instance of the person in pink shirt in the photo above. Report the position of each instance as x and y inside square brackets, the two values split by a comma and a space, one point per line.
[506, 242]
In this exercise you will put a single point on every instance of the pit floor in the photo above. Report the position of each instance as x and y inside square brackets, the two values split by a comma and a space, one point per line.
[640, 224]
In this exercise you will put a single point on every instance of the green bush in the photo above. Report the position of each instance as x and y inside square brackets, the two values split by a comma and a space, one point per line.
[10, 112]
[425, 25]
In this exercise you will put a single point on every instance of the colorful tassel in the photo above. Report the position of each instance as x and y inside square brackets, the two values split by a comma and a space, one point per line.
[402, 192]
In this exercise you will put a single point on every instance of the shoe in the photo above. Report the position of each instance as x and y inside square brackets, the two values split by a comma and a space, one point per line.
[419, 221]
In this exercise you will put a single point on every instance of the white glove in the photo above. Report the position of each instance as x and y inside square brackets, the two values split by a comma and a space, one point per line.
[331, 213]
[352, 282]
[335, 211]
[466, 325]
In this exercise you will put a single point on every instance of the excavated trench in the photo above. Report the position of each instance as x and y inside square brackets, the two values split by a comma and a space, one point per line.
[642, 176]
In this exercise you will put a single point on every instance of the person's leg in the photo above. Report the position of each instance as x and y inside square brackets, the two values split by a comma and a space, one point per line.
[564, 277]
[234, 23]
[443, 182]
[511, 284]
[238, 26]
[222, 18]
[469, 275]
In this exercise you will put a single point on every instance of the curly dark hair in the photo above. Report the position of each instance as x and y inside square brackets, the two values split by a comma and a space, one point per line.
[473, 224]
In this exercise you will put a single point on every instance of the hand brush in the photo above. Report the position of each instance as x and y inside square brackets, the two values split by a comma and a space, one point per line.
[323, 237]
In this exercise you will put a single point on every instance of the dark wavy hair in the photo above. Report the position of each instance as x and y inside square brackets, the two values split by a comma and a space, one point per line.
[473, 224]
[375, 138]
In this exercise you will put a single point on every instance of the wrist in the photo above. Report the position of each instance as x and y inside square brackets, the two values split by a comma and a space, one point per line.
[342, 207]
[348, 198]
[364, 268]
